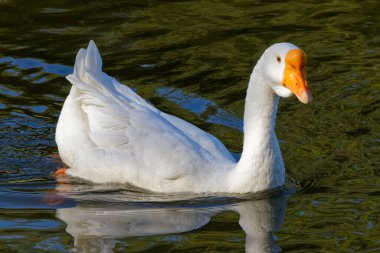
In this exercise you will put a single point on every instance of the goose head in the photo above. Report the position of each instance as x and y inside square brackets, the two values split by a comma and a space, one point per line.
[284, 68]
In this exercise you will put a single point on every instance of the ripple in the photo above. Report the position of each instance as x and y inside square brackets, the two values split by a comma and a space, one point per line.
[199, 105]
[193, 59]
[8, 92]
[30, 63]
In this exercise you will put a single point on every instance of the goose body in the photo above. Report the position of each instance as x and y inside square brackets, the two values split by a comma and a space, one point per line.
[106, 133]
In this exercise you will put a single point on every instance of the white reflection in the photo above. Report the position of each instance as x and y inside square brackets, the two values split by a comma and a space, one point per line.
[97, 229]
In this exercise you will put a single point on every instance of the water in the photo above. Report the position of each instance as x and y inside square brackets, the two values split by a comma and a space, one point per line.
[193, 59]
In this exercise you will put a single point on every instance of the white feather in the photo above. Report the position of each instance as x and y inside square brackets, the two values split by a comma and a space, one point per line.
[282, 91]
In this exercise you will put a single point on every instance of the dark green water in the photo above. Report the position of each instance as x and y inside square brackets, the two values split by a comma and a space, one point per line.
[193, 59]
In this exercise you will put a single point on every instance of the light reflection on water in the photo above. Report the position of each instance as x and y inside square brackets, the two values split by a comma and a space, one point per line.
[98, 228]
[200, 106]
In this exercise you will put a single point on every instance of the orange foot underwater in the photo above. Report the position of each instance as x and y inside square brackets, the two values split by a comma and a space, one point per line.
[58, 195]
[62, 170]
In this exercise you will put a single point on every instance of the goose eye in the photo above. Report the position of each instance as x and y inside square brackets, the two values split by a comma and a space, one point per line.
[278, 59]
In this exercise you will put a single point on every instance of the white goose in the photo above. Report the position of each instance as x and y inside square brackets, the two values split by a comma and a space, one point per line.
[106, 133]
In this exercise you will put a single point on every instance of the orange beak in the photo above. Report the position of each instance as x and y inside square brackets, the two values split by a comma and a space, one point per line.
[295, 75]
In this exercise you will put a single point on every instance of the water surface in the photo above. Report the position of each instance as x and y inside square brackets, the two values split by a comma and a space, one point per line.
[193, 59]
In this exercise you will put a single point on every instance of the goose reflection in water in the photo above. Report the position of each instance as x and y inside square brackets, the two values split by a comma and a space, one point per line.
[96, 227]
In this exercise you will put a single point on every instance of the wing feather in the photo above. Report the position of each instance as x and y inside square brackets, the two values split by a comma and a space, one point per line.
[119, 119]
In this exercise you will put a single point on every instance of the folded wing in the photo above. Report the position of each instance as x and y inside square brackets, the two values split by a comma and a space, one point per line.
[129, 130]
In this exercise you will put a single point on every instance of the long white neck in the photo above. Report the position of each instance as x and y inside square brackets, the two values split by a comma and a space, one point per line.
[261, 166]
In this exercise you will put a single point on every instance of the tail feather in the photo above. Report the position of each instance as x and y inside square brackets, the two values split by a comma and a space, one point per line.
[88, 73]
[88, 60]
[79, 63]
[89, 78]
[93, 62]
